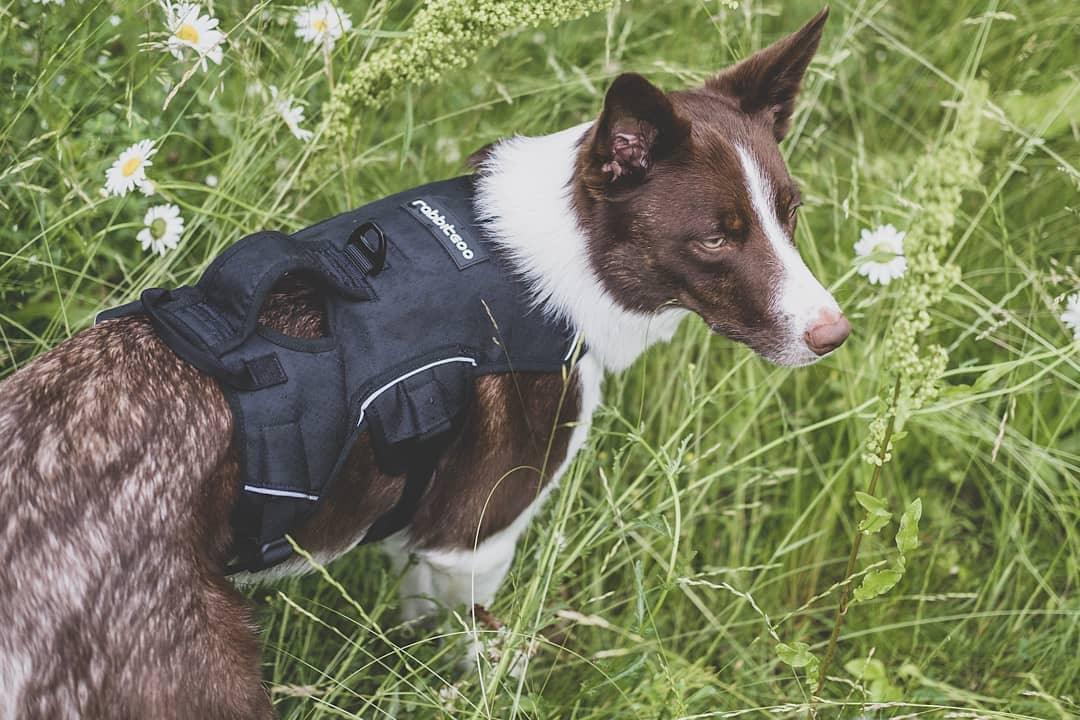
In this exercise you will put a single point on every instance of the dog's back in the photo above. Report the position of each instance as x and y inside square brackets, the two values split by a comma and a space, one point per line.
[105, 446]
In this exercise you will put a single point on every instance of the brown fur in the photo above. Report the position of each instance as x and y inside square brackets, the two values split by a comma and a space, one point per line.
[117, 462]
[116, 489]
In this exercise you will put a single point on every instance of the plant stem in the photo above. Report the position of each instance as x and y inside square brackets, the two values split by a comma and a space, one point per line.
[845, 590]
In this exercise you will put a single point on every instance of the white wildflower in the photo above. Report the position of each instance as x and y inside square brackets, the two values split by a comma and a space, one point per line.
[212, 181]
[1071, 316]
[189, 28]
[882, 253]
[164, 226]
[114, 20]
[292, 114]
[46, 2]
[322, 24]
[129, 170]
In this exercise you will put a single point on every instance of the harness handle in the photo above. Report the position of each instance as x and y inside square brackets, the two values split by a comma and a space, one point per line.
[238, 282]
[204, 322]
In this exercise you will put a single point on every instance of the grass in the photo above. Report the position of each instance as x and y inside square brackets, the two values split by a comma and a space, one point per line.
[711, 514]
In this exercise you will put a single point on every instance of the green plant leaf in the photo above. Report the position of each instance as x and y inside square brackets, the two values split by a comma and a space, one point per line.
[877, 514]
[881, 690]
[798, 655]
[907, 537]
[871, 672]
[873, 523]
[863, 669]
[871, 504]
[877, 582]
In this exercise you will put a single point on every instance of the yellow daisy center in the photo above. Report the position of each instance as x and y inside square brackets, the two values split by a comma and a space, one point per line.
[188, 33]
[319, 25]
[157, 228]
[130, 166]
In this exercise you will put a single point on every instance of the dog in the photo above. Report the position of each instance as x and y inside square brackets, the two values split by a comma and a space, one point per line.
[118, 472]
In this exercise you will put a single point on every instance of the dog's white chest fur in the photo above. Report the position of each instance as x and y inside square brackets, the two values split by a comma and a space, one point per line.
[524, 196]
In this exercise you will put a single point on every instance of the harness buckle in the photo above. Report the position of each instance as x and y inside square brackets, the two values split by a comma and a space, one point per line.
[370, 259]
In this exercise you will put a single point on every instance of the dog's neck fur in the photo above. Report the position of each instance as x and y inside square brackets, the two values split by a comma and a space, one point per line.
[523, 194]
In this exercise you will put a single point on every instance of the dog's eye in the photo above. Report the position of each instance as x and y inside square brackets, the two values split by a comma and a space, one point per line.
[714, 242]
[794, 210]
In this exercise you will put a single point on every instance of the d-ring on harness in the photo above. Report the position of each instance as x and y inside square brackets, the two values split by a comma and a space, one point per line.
[418, 303]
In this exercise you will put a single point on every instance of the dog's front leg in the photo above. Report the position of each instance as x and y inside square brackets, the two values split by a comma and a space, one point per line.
[452, 578]
[449, 578]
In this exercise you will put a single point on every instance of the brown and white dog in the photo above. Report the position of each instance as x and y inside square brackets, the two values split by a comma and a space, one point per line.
[117, 473]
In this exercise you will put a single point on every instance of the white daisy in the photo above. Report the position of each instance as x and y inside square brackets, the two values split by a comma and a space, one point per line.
[114, 20]
[212, 181]
[292, 114]
[882, 253]
[46, 2]
[189, 28]
[1071, 316]
[322, 24]
[129, 170]
[164, 226]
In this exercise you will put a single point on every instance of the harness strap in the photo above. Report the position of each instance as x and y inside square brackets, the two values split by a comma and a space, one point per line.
[417, 479]
[260, 522]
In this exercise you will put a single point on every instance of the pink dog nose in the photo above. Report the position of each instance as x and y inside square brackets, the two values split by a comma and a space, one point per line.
[828, 333]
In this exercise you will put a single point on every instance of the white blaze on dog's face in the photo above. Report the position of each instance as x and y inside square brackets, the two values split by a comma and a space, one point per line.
[814, 324]
[686, 201]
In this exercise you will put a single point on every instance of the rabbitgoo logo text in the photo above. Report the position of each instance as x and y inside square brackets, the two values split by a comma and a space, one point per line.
[447, 228]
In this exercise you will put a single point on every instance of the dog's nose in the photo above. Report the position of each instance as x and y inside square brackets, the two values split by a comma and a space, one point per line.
[828, 333]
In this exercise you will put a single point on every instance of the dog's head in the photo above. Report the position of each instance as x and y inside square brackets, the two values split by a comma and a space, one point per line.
[686, 201]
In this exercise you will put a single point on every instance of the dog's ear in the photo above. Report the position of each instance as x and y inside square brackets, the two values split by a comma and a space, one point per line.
[766, 83]
[637, 128]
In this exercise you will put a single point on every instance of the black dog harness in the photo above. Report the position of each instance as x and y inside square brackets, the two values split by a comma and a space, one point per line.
[418, 303]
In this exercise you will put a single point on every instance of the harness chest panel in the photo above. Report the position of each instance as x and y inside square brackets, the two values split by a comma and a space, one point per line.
[418, 303]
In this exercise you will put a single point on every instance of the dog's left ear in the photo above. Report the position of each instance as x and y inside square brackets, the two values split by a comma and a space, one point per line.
[638, 128]
[766, 83]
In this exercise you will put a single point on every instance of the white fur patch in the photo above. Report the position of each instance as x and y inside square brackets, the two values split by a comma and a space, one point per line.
[524, 195]
[801, 298]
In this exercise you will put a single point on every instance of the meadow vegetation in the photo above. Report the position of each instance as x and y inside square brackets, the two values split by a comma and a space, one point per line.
[925, 479]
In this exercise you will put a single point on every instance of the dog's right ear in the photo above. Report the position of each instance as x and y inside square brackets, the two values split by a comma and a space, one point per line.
[638, 128]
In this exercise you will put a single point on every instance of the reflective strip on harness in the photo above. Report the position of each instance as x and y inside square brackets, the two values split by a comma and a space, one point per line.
[280, 493]
[371, 398]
